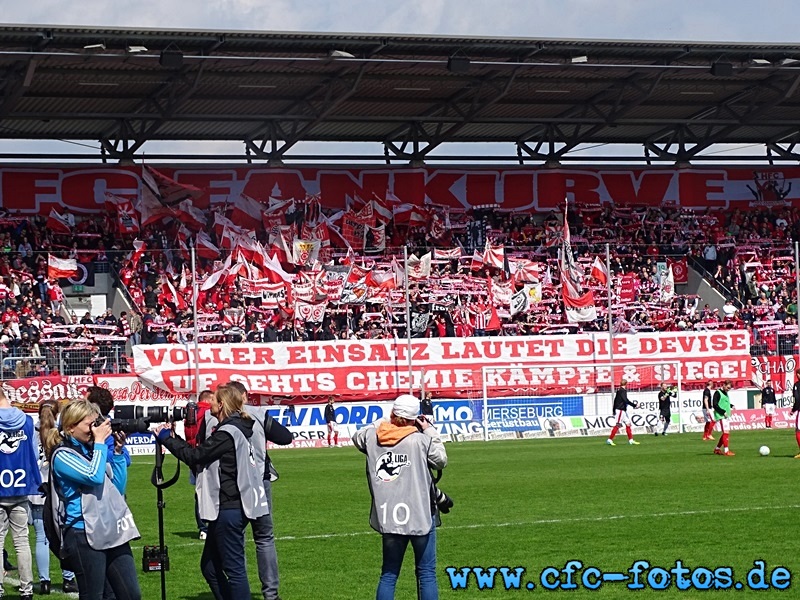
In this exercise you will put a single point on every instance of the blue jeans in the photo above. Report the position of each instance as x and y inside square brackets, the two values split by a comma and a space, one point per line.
[394, 548]
[42, 547]
[223, 560]
[267, 557]
[93, 567]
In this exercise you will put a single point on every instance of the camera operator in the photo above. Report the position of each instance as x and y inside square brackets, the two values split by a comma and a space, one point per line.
[95, 546]
[665, 396]
[400, 453]
[227, 476]
[103, 399]
[263, 527]
[18, 453]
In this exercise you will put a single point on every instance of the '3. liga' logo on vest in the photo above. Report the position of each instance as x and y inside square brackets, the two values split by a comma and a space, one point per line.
[10, 440]
[389, 464]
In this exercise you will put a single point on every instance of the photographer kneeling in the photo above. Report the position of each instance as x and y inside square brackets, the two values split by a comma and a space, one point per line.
[230, 491]
[91, 480]
[400, 453]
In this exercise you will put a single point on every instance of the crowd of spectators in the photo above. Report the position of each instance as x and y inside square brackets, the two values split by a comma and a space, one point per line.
[40, 335]
[747, 254]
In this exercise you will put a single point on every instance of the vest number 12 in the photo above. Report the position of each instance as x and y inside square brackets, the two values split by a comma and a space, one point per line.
[400, 513]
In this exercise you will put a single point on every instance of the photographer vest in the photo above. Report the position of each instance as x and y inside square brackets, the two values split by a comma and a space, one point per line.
[401, 485]
[249, 478]
[107, 520]
[19, 467]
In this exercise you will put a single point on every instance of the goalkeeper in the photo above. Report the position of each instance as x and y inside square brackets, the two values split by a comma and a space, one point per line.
[665, 396]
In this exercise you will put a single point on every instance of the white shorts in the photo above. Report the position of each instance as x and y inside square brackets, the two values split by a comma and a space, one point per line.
[623, 418]
[769, 409]
[723, 425]
[708, 415]
[332, 427]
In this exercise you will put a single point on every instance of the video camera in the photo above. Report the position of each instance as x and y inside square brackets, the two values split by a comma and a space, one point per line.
[131, 418]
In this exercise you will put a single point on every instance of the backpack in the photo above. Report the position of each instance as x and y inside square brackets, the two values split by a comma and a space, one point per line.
[53, 514]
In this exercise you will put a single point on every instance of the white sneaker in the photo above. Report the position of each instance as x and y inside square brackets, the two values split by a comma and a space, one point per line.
[203, 535]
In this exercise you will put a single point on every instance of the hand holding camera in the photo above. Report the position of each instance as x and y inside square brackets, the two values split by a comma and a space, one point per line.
[101, 429]
[422, 423]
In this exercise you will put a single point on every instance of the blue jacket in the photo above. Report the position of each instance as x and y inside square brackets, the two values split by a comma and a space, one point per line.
[72, 473]
[18, 454]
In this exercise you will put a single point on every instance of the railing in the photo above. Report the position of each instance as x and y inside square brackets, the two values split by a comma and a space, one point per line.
[106, 359]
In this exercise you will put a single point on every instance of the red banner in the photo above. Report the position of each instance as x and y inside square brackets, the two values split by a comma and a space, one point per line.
[34, 190]
[378, 368]
[124, 389]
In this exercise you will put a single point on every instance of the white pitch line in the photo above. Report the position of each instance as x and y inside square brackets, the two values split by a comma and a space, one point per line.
[680, 513]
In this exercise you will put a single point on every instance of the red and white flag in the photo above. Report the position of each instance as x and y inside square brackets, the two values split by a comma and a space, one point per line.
[578, 305]
[382, 210]
[205, 247]
[58, 268]
[127, 219]
[169, 191]
[419, 268]
[599, 271]
[138, 251]
[247, 212]
[58, 223]
[494, 256]
[190, 215]
[446, 254]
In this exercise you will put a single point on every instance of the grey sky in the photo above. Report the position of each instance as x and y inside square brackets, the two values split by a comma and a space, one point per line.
[702, 20]
[709, 20]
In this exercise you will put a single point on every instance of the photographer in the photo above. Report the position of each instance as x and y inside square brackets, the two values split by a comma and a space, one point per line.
[227, 476]
[263, 528]
[665, 396]
[103, 399]
[94, 546]
[400, 453]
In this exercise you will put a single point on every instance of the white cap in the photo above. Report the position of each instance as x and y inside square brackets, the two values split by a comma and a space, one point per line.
[406, 406]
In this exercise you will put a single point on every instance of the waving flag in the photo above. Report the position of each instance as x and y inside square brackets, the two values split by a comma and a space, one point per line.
[599, 271]
[58, 268]
[58, 223]
[578, 305]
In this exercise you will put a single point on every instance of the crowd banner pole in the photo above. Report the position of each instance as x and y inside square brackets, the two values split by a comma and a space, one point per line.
[797, 291]
[196, 329]
[680, 399]
[610, 320]
[408, 322]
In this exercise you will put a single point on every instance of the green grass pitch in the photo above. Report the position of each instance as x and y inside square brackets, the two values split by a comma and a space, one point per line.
[524, 503]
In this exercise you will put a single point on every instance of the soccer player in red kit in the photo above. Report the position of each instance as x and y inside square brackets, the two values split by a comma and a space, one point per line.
[708, 413]
[621, 404]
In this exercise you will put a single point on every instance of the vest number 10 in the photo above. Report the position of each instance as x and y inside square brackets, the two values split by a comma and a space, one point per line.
[15, 478]
[400, 513]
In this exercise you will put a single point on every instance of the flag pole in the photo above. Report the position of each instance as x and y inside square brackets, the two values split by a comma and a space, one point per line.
[194, 320]
[610, 317]
[408, 321]
[797, 291]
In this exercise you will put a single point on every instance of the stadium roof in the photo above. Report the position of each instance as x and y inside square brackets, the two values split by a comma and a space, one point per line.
[674, 101]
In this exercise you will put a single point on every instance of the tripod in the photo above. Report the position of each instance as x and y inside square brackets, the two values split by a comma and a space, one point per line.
[159, 556]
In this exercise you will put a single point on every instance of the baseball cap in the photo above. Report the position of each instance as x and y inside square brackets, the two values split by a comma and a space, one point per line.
[406, 406]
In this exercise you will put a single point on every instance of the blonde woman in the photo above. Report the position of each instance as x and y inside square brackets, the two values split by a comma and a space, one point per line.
[48, 418]
[230, 490]
[91, 480]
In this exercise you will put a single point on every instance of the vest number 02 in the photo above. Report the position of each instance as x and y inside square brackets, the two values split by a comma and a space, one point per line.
[400, 513]
[15, 478]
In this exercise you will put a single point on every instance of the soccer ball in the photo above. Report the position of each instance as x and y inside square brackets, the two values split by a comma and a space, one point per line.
[764, 451]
